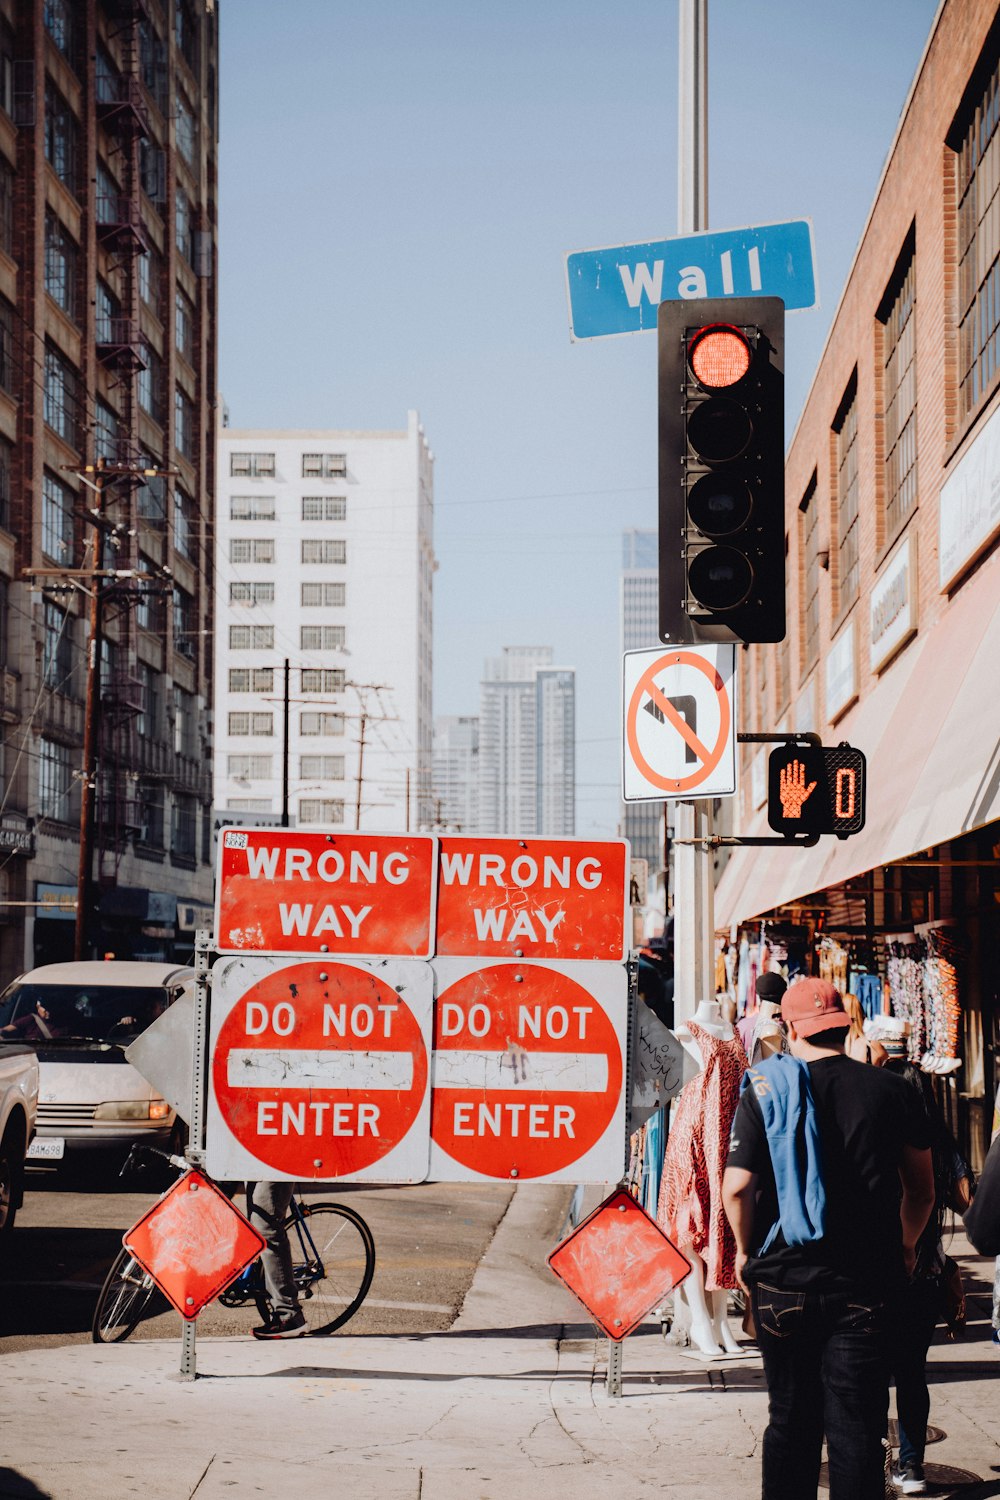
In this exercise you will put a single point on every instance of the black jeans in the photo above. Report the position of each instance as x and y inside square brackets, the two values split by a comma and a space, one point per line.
[826, 1366]
[915, 1315]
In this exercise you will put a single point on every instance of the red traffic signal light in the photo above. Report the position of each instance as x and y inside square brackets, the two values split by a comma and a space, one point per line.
[721, 415]
[814, 789]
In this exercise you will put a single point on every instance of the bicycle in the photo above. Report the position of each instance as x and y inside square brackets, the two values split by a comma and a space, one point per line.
[333, 1261]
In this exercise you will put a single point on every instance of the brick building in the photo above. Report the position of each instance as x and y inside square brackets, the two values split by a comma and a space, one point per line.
[108, 129]
[892, 507]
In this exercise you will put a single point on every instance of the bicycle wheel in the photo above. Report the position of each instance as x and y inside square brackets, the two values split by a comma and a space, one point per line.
[333, 1257]
[127, 1296]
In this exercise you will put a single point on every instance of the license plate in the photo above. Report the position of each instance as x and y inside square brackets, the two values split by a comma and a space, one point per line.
[47, 1148]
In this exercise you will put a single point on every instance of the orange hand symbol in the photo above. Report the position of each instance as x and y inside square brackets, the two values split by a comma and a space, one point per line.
[792, 789]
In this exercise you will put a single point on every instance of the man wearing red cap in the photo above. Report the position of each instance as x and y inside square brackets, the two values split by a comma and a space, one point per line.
[827, 1187]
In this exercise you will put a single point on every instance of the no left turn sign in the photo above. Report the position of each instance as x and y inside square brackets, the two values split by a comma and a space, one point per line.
[679, 723]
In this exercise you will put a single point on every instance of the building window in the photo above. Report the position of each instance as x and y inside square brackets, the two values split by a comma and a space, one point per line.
[6, 458]
[251, 679]
[243, 722]
[55, 780]
[322, 724]
[979, 248]
[147, 721]
[184, 435]
[321, 768]
[322, 637]
[330, 595]
[57, 519]
[251, 637]
[6, 67]
[250, 767]
[107, 311]
[184, 624]
[59, 18]
[62, 134]
[184, 827]
[149, 270]
[149, 605]
[60, 395]
[321, 810]
[324, 465]
[184, 325]
[251, 508]
[248, 804]
[185, 128]
[331, 550]
[322, 679]
[247, 549]
[183, 224]
[184, 531]
[151, 385]
[61, 258]
[106, 432]
[847, 487]
[152, 499]
[153, 61]
[251, 465]
[57, 648]
[900, 397]
[251, 593]
[6, 206]
[185, 737]
[324, 508]
[809, 552]
[6, 345]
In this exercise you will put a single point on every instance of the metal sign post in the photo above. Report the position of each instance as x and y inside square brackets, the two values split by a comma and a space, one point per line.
[199, 1072]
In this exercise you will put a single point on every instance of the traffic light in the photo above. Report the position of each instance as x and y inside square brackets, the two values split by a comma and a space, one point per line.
[816, 789]
[722, 469]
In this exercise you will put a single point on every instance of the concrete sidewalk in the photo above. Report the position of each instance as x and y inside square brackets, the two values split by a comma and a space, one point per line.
[509, 1404]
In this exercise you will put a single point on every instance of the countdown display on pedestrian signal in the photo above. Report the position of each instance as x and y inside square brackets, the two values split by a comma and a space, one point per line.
[813, 789]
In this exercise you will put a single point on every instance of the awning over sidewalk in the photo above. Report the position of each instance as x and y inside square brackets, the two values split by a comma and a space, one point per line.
[931, 734]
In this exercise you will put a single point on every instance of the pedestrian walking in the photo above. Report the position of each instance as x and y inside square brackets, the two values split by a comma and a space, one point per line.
[267, 1208]
[828, 1188]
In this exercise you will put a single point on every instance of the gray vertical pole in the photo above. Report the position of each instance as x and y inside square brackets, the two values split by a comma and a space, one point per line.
[694, 886]
[199, 1080]
[284, 743]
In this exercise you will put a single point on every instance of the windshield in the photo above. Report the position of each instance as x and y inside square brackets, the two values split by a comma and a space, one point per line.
[74, 1012]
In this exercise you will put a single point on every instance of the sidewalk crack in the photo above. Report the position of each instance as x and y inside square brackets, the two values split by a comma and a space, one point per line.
[201, 1477]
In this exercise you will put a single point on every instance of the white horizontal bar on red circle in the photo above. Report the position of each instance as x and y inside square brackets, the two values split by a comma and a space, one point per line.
[554, 1072]
[305, 1068]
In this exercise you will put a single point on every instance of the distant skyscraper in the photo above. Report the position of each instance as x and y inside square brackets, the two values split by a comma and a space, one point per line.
[456, 772]
[640, 608]
[527, 744]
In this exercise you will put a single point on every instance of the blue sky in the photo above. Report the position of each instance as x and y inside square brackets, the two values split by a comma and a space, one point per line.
[400, 183]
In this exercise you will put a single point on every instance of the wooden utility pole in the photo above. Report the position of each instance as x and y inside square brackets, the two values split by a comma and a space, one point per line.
[284, 745]
[88, 788]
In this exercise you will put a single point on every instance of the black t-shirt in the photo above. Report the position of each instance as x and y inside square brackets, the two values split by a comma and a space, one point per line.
[866, 1116]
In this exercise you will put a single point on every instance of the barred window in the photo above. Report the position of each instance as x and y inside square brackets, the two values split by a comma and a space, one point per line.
[322, 637]
[55, 780]
[184, 532]
[900, 396]
[57, 648]
[326, 594]
[251, 508]
[324, 724]
[251, 593]
[62, 256]
[978, 186]
[249, 767]
[809, 552]
[60, 395]
[324, 508]
[57, 519]
[184, 624]
[243, 723]
[326, 550]
[324, 465]
[184, 826]
[846, 445]
[248, 804]
[62, 137]
[252, 465]
[246, 549]
[321, 767]
[185, 440]
[321, 810]
[251, 637]
[322, 680]
[251, 679]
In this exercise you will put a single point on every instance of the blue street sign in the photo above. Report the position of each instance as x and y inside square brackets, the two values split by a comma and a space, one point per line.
[618, 290]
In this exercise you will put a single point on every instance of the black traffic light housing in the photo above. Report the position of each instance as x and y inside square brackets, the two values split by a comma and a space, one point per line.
[814, 789]
[722, 469]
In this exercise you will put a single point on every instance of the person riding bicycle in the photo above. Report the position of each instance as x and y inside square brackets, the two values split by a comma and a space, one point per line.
[267, 1208]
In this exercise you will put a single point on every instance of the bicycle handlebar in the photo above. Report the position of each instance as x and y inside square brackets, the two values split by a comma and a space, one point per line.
[139, 1150]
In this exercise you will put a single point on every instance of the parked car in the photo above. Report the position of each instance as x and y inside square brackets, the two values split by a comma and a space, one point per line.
[18, 1102]
[78, 1018]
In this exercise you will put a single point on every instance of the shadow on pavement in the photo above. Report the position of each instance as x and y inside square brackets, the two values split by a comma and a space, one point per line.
[17, 1487]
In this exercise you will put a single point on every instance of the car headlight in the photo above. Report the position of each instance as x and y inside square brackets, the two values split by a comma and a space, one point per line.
[133, 1109]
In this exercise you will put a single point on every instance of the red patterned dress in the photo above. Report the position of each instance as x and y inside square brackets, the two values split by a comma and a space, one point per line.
[690, 1207]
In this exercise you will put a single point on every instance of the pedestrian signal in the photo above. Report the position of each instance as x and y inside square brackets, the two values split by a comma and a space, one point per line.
[722, 456]
[814, 789]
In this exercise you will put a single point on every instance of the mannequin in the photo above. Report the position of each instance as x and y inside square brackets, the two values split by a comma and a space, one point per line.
[690, 1198]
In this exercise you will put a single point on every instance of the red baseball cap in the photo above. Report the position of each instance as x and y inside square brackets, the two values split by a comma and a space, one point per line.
[813, 1005]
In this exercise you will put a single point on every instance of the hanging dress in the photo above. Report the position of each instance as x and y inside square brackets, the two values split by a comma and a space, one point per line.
[690, 1207]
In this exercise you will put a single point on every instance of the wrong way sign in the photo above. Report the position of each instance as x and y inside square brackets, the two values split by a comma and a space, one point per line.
[533, 898]
[528, 1072]
[679, 723]
[319, 1070]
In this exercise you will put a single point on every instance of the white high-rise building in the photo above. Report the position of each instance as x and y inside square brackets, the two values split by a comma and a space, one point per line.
[527, 744]
[325, 561]
[640, 630]
[456, 772]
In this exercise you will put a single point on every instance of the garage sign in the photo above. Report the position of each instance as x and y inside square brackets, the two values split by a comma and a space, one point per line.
[533, 898]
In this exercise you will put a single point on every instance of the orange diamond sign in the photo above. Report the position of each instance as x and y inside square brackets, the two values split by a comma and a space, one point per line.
[193, 1243]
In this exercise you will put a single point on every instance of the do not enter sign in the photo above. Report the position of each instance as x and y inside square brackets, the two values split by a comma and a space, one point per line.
[319, 1070]
[527, 1072]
